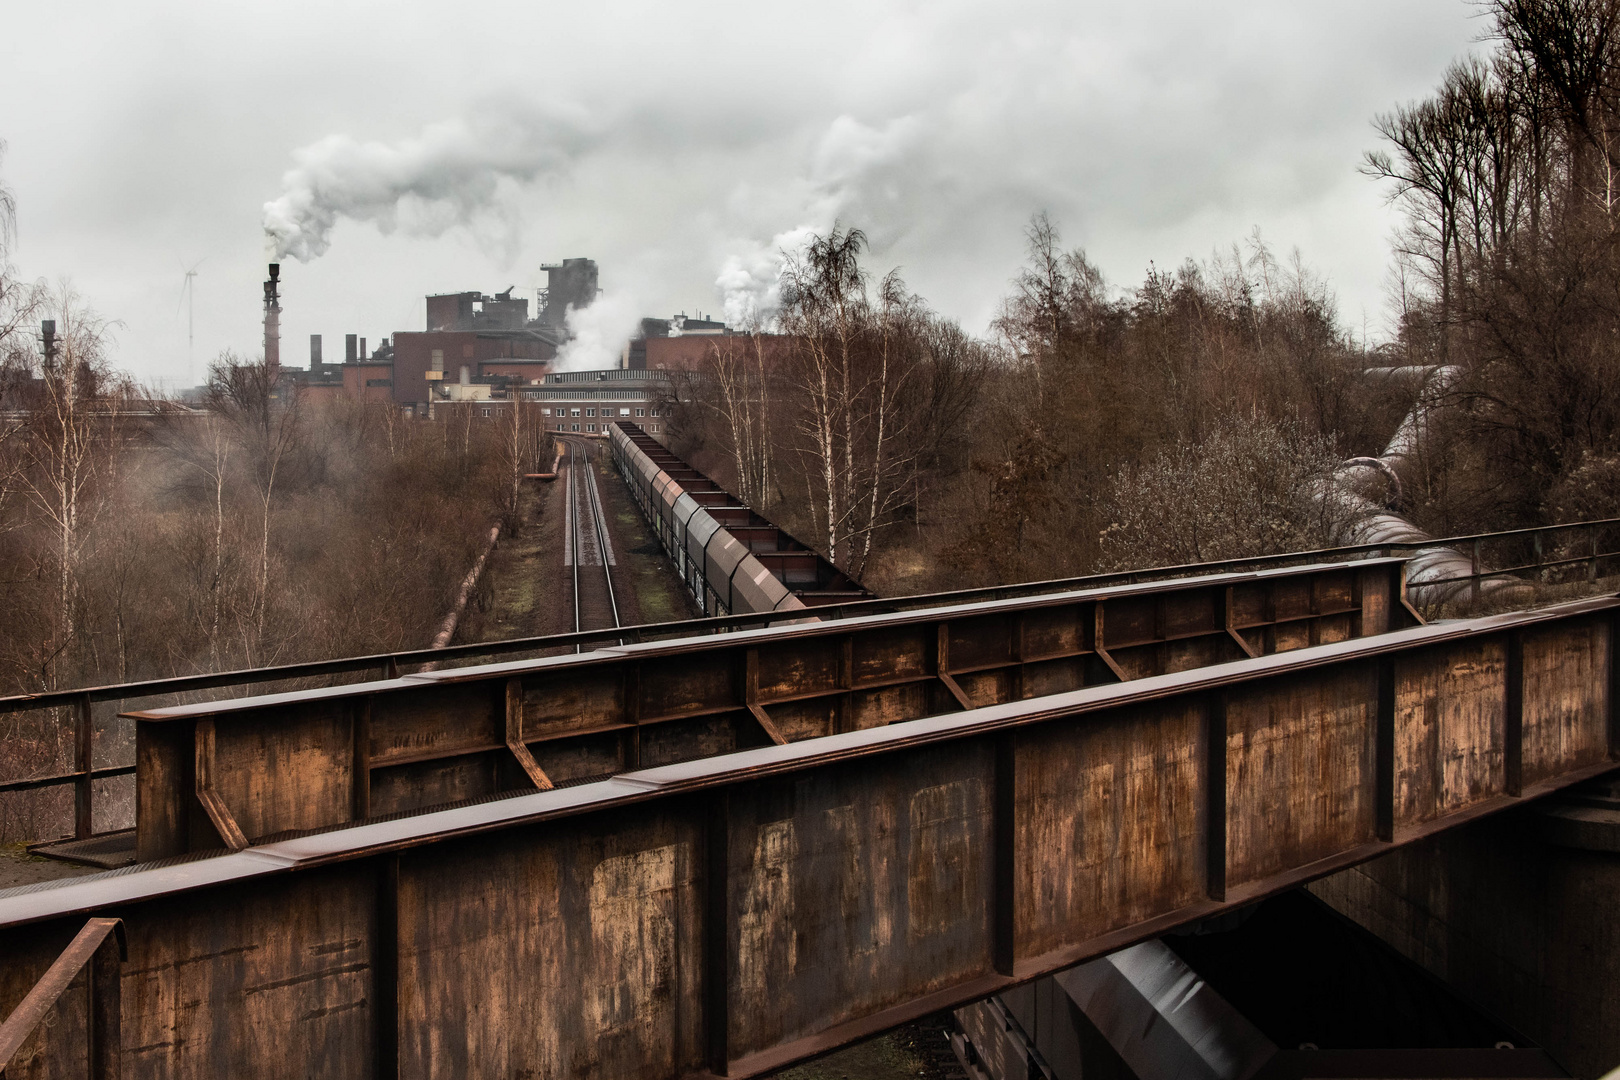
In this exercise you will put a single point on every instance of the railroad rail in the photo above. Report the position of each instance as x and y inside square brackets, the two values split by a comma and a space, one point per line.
[731, 915]
[595, 605]
[1584, 549]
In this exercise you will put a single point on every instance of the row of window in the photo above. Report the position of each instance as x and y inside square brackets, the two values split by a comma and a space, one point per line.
[539, 395]
[575, 427]
[592, 412]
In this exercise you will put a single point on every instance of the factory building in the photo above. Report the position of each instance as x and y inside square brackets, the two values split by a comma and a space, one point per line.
[585, 402]
[569, 284]
[468, 336]
[483, 352]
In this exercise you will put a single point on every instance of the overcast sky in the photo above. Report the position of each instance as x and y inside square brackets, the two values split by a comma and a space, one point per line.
[679, 144]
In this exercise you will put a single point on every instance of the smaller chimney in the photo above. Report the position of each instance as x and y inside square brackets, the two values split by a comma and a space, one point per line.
[362, 350]
[315, 352]
[350, 348]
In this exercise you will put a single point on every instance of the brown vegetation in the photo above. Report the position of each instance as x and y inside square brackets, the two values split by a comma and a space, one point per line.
[1507, 180]
[1199, 415]
[146, 540]
[1191, 419]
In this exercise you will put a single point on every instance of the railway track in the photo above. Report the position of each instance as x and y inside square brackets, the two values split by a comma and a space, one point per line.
[590, 553]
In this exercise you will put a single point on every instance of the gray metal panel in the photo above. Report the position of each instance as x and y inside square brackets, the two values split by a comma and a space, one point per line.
[665, 493]
[700, 527]
[646, 467]
[640, 479]
[755, 588]
[721, 556]
[664, 488]
[682, 512]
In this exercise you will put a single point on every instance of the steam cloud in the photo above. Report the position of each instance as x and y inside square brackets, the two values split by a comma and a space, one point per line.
[855, 169]
[448, 175]
[599, 331]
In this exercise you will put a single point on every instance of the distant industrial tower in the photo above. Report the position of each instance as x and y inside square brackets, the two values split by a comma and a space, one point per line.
[570, 283]
[272, 317]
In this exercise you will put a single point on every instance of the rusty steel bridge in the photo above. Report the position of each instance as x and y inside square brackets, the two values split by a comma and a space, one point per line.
[720, 854]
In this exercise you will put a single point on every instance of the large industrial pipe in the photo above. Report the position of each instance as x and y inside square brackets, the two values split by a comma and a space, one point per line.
[1430, 570]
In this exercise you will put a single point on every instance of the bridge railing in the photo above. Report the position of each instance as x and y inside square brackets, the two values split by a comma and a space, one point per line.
[1547, 552]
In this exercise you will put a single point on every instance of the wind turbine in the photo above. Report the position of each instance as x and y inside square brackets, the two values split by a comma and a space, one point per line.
[187, 297]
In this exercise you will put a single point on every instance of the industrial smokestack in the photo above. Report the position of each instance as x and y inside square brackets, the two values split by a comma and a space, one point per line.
[47, 337]
[351, 348]
[272, 317]
[315, 352]
[362, 349]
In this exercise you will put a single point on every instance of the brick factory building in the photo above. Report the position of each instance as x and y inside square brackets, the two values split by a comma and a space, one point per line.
[482, 352]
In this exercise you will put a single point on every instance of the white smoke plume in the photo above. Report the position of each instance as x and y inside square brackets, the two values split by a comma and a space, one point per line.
[600, 330]
[448, 175]
[856, 171]
[751, 280]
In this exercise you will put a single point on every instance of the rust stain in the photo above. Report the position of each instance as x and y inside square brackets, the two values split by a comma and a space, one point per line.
[938, 887]
[767, 946]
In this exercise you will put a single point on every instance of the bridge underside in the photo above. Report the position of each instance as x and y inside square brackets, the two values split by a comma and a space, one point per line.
[732, 914]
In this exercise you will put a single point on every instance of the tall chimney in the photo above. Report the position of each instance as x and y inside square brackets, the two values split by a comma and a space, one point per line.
[47, 334]
[351, 348]
[272, 317]
[315, 353]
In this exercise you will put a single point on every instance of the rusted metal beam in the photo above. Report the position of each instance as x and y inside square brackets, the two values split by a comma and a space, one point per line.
[1217, 782]
[207, 794]
[1101, 644]
[98, 946]
[514, 737]
[738, 913]
[443, 737]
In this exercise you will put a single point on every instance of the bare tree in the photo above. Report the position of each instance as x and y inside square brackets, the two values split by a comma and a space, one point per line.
[1054, 304]
[825, 302]
[265, 415]
[70, 444]
[733, 384]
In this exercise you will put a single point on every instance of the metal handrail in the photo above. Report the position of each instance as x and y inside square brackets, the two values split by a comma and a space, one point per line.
[390, 664]
[101, 946]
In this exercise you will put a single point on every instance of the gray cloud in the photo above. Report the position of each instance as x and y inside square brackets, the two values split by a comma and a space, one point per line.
[683, 145]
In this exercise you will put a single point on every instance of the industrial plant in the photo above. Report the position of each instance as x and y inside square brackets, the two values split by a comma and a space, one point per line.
[485, 351]
[1066, 677]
